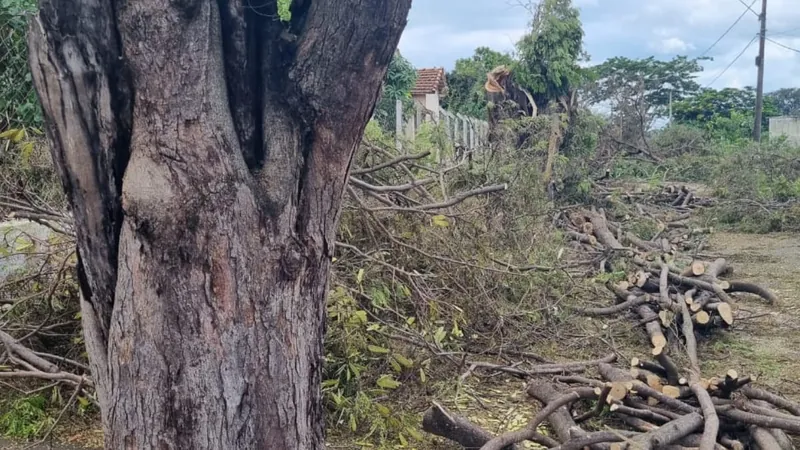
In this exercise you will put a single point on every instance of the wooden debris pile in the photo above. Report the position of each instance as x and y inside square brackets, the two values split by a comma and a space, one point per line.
[665, 402]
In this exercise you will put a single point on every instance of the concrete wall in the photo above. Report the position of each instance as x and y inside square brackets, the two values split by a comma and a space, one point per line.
[785, 126]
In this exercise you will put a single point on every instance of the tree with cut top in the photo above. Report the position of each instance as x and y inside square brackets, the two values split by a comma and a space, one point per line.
[204, 147]
[465, 83]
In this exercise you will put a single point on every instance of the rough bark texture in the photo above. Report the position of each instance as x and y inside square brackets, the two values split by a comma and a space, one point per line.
[204, 147]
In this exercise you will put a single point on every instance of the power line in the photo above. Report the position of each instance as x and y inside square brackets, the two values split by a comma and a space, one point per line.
[750, 7]
[783, 45]
[729, 28]
[734, 61]
[785, 32]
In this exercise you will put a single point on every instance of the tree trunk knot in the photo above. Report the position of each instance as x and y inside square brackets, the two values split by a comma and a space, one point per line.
[292, 259]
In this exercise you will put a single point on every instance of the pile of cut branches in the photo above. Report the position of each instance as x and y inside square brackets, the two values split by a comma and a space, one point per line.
[665, 403]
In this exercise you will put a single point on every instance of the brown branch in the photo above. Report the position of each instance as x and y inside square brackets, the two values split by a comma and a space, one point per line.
[390, 163]
[529, 431]
[668, 433]
[396, 188]
[452, 201]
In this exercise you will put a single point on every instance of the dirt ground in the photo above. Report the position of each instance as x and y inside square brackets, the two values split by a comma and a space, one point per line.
[765, 340]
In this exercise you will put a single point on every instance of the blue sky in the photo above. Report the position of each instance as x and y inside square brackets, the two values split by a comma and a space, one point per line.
[441, 31]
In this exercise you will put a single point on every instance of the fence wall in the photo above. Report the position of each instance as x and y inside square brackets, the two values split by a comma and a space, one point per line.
[785, 126]
[465, 133]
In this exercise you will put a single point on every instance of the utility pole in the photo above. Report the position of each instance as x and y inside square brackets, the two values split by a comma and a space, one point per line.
[760, 62]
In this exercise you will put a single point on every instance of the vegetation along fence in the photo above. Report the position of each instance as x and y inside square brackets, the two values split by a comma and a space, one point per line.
[18, 105]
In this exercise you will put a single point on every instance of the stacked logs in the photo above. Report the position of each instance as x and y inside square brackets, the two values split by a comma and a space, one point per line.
[654, 403]
[680, 197]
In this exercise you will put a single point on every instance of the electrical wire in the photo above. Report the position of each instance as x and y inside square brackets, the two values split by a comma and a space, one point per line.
[729, 29]
[783, 45]
[784, 32]
[733, 62]
[750, 7]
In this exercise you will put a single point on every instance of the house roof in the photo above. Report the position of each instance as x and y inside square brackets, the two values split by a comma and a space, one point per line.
[430, 81]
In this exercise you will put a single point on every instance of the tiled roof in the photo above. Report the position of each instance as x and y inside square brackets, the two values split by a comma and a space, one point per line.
[430, 81]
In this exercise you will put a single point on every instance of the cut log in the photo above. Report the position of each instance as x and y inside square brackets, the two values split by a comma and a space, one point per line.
[644, 414]
[668, 433]
[601, 231]
[439, 421]
[750, 288]
[763, 438]
[671, 391]
[786, 424]
[702, 318]
[774, 399]
[581, 237]
[696, 268]
[649, 366]
[597, 437]
[657, 338]
[723, 309]
[673, 373]
[561, 420]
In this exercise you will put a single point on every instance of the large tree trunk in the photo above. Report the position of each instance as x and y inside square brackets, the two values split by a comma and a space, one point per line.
[204, 146]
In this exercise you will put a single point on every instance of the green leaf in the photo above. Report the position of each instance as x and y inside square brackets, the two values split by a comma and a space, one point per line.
[403, 440]
[414, 433]
[383, 410]
[360, 316]
[360, 276]
[422, 377]
[440, 221]
[353, 423]
[387, 382]
[395, 366]
[377, 349]
[330, 383]
[439, 335]
[83, 401]
[14, 134]
[405, 362]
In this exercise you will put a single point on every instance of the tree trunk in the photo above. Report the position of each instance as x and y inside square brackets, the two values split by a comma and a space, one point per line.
[204, 147]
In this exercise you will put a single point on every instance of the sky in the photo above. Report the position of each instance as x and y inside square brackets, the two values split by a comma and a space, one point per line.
[441, 31]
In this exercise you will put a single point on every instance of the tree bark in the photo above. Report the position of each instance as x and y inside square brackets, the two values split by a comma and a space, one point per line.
[204, 147]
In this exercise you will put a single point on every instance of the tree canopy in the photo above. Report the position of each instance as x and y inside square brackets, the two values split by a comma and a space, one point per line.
[787, 101]
[550, 52]
[656, 80]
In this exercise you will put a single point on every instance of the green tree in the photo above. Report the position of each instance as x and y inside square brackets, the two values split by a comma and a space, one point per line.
[653, 79]
[725, 113]
[466, 94]
[787, 101]
[550, 52]
[400, 79]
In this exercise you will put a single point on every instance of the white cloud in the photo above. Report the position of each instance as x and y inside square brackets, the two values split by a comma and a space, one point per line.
[674, 45]
[418, 43]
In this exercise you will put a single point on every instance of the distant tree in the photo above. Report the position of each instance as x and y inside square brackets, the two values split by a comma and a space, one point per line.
[711, 103]
[549, 54]
[400, 79]
[652, 79]
[787, 101]
[466, 94]
[725, 113]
